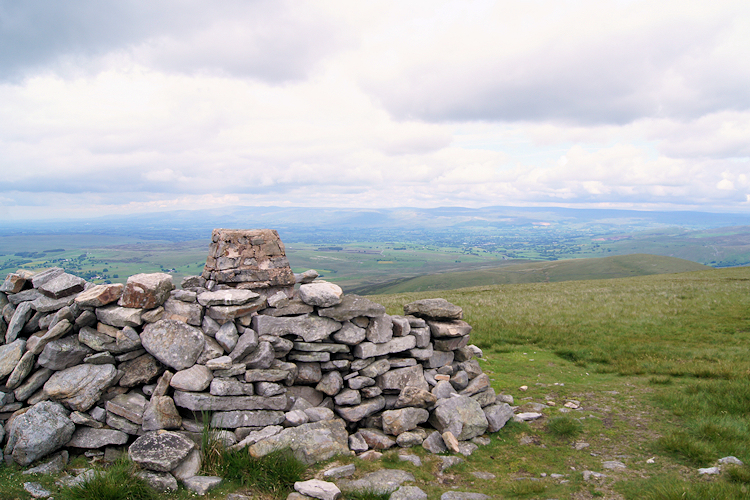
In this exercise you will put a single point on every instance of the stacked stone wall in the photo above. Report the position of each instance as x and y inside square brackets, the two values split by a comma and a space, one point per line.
[274, 365]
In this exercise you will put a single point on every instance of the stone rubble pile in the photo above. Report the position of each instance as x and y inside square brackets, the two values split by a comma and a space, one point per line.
[101, 367]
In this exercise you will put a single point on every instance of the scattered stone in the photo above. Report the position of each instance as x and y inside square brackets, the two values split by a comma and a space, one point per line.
[341, 471]
[614, 464]
[36, 490]
[201, 484]
[487, 476]
[408, 493]
[527, 416]
[731, 460]
[53, 466]
[463, 495]
[412, 459]
[318, 489]
[589, 475]
[380, 481]
[160, 481]
[709, 471]
[449, 462]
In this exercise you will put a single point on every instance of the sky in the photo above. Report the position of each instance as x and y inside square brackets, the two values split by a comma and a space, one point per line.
[140, 106]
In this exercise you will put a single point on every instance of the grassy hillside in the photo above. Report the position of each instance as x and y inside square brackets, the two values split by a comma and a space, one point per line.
[622, 266]
[659, 364]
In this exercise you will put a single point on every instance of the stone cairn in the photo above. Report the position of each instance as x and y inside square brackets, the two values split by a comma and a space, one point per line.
[137, 367]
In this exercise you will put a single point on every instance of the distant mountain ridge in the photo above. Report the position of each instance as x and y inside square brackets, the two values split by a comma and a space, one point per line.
[181, 225]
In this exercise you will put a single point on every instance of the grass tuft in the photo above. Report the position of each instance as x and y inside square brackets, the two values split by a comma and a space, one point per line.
[564, 427]
[118, 482]
[526, 488]
[739, 474]
[274, 473]
[680, 443]
[212, 448]
[365, 495]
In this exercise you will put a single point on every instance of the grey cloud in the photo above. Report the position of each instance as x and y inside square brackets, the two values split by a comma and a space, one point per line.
[667, 70]
[269, 40]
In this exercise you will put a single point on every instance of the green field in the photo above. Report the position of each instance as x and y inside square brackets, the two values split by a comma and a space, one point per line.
[540, 272]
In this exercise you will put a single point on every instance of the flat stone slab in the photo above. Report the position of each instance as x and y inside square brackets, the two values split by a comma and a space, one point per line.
[463, 495]
[352, 306]
[310, 443]
[90, 438]
[433, 308]
[201, 484]
[199, 401]
[161, 451]
[316, 488]
[230, 297]
[380, 481]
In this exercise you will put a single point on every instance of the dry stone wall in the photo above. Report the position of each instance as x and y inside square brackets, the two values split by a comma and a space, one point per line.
[98, 368]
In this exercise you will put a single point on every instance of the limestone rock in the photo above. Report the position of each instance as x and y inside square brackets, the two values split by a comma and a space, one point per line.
[362, 410]
[398, 379]
[228, 297]
[455, 328]
[174, 343]
[146, 291]
[20, 316]
[39, 432]
[256, 258]
[130, 406]
[497, 416]
[63, 353]
[10, 355]
[206, 402]
[434, 309]
[160, 481]
[201, 484]
[119, 316]
[320, 294]
[396, 422]
[99, 295]
[189, 313]
[380, 329]
[140, 370]
[89, 438]
[80, 387]
[380, 481]
[318, 489]
[161, 413]
[160, 451]
[62, 285]
[310, 443]
[352, 306]
[461, 415]
[310, 328]
[194, 379]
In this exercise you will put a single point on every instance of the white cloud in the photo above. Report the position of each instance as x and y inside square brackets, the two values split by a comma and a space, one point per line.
[473, 103]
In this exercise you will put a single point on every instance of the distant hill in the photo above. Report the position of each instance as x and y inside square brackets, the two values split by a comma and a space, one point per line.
[621, 266]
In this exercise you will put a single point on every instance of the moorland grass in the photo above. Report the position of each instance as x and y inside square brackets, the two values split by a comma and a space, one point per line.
[274, 473]
[117, 482]
[564, 427]
[687, 332]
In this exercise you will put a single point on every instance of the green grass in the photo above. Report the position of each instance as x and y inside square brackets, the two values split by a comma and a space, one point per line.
[275, 473]
[623, 266]
[117, 482]
[564, 427]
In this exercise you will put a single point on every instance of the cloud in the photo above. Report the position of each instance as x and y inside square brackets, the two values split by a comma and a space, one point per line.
[132, 106]
[274, 41]
[589, 63]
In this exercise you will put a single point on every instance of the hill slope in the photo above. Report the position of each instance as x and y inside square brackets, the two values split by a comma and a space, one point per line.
[622, 266]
